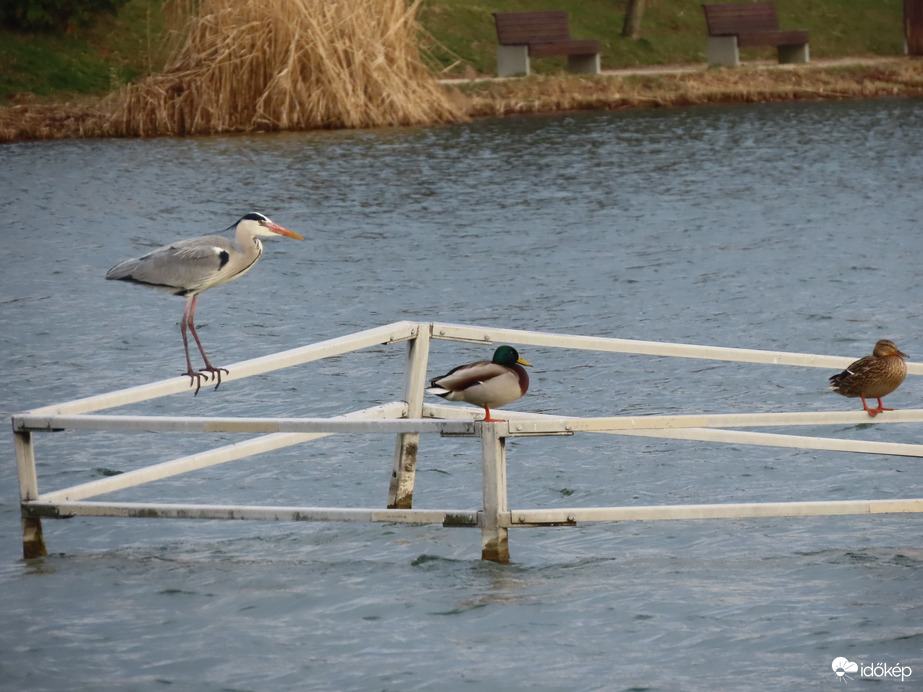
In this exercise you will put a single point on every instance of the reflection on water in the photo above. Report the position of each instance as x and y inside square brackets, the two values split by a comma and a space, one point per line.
[790, 227]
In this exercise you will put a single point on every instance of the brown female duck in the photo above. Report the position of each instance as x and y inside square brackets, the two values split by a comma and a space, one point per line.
[873, 376]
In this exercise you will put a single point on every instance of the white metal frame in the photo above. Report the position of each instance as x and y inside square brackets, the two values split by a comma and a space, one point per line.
[411, 417]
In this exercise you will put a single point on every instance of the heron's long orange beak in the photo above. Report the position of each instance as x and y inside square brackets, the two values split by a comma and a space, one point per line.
[276, 228]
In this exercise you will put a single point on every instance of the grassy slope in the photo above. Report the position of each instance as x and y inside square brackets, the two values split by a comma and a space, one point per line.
[94, 61]
[673, 31]
[86, 61]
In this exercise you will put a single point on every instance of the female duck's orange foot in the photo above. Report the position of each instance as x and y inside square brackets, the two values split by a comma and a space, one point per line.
[871, 411]
[875, 411]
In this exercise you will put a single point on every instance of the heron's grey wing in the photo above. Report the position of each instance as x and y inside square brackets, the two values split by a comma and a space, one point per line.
[183, 267]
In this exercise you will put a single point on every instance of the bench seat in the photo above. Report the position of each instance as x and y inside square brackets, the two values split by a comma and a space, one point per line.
[521, 35]
[742, 24]
[772, 38]
[569, 47]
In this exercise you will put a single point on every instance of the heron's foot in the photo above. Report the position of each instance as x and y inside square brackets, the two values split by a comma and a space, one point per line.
[214, 373]
[195, 378]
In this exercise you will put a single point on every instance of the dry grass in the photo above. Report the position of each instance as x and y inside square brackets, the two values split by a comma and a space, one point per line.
[748, 84]
[35, 120]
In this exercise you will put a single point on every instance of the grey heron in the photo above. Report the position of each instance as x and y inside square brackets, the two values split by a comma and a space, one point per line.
[188, 267]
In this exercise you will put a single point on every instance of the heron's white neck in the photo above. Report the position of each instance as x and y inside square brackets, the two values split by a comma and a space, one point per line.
[250, 245]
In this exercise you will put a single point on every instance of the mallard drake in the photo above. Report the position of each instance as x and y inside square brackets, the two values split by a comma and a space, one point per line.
[873, 376]
[485, 383]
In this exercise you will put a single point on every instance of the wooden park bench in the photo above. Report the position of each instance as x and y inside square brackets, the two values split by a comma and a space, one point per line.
[541, 34]
[733, 25]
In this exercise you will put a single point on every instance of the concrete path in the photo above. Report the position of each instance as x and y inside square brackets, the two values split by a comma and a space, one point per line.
[702, 67]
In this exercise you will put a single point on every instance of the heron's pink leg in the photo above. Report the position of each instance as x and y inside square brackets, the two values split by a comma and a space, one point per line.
[195, 377]
[216, 372]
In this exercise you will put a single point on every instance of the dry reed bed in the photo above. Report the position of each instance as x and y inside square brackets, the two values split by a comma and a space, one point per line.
[288, 64]
[541, 94]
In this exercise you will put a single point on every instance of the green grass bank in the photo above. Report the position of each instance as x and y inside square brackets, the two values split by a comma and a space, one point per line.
[460, 40]
[672, 31]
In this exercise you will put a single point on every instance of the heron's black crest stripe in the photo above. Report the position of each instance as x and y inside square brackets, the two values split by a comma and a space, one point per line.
[252, 216]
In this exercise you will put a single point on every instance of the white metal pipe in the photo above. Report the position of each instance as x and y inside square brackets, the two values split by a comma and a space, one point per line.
[778, 440]
[519, 425]
[194, 462]
[407, 444]
[401, 331]
[490, 335]
[519, 517]
[389, 333]
[523, 423]
[494, 536]
[495, 518]
[509, 519]
[263, 513]
[33, 542]
[226, 424]
[711, 420]
[25, 465]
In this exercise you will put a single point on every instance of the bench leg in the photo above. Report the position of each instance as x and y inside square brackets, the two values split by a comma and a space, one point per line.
[722, 50]
[583, 64]
[794, 53]
[512, 60]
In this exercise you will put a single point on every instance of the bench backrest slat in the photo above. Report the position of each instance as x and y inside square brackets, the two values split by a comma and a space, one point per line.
[517, 28]
[743, 17]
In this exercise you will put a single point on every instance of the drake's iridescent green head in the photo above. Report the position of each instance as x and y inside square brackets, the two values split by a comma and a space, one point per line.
[507, 355]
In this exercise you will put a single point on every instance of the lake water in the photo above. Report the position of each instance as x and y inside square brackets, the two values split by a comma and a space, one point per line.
[793, 227]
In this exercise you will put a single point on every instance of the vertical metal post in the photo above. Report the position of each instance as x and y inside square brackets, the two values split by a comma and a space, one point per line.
[400, 493]
[494, 534]
[33, 542]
